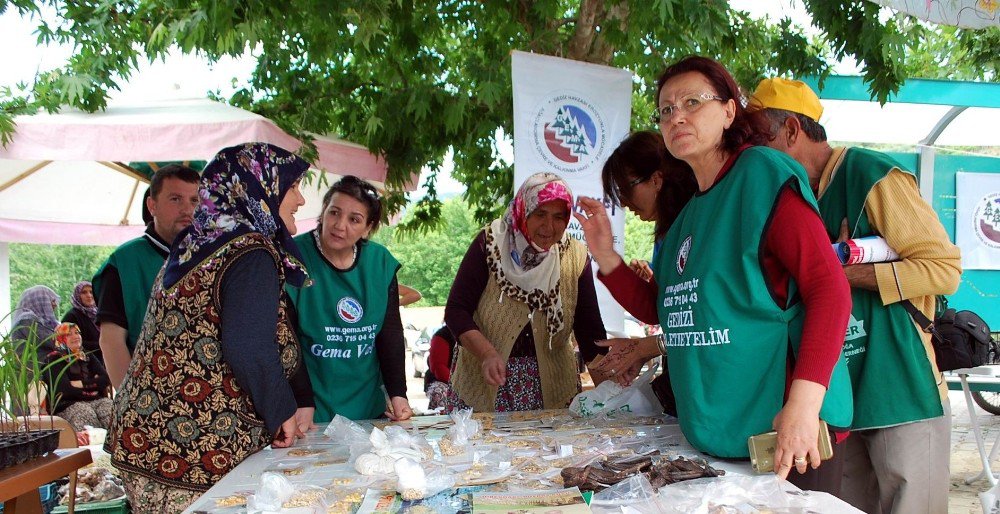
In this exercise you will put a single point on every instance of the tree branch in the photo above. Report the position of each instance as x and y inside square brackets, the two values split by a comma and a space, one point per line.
[587, 20]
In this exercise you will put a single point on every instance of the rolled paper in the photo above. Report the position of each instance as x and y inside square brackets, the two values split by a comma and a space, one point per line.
[864, 250]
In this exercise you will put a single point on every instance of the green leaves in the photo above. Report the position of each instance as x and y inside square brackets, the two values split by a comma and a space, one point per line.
[415, 81]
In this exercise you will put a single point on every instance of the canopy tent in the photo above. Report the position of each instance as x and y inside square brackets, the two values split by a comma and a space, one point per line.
[63, 179]
[930, 115]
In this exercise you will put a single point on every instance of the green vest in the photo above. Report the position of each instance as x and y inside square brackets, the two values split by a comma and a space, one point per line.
[892, 379]
[728, 341]
[138, 262]
[339, 317]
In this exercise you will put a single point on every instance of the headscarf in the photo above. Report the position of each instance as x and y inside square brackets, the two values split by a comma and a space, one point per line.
[35, 304]
[526, 272]
[91, 311]
[241, 189]
[63, 331]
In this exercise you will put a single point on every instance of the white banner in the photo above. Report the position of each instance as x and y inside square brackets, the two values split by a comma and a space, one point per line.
[568, 118]
[969, 14]
[977, 219]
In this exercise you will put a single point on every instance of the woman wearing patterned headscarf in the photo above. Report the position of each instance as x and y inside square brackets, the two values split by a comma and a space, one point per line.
[217, 374]
[79, 383]
[84, 315]
[35, 320]
[524, 286]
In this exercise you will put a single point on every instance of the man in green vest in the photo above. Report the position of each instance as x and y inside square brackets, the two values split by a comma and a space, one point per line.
[898, 452]
[123, 282]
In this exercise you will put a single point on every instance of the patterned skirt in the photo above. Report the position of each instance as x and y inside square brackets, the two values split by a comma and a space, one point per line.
[522, 391]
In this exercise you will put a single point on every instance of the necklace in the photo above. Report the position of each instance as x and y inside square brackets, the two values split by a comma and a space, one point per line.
[354, 257]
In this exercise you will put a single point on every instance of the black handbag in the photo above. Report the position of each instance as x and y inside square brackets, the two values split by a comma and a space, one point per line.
[961, 339]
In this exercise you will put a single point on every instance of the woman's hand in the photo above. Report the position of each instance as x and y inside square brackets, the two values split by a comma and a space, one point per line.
[304, 419]
[399, 409]
[642, 269]
[797, 424]
[625, 358]
[597, 231]
[287, 433]
[494, 368]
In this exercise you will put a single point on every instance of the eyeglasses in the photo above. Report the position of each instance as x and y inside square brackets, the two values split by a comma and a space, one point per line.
[687, 104]
[635, 182]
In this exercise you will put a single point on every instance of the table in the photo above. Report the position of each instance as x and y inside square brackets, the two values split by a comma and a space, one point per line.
[19, 484]
[981, 378]
[664, 435]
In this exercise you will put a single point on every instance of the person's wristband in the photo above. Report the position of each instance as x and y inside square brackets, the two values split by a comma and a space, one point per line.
[661, 344]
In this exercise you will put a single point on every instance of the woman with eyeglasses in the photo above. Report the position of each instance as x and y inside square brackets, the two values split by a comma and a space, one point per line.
[643, 177]
[753, 303]
[348, 322]
[522, 290]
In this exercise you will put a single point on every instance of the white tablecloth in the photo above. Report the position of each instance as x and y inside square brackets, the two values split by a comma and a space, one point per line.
[665, 437]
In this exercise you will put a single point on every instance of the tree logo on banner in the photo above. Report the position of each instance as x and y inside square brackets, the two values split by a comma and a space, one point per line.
[986, 218]
[569, 133]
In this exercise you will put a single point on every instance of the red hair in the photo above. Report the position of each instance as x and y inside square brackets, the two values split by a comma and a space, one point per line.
[744, 129]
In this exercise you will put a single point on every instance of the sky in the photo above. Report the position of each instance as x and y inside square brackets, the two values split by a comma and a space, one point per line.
[184, 76]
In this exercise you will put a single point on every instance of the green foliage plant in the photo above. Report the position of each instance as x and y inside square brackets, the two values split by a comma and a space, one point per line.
[21, 368]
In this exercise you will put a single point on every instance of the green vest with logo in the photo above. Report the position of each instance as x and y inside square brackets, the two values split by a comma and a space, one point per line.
[339, 317]
[138, 262]
[892, 378]
[728, 342]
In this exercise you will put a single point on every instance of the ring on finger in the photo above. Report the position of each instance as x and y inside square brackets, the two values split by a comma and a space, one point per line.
[799, 461]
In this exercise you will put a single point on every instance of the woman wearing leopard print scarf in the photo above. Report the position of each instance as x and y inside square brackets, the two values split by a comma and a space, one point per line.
[523, 288]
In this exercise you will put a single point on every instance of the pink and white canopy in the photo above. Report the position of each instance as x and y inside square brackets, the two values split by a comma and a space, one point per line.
[61, 181]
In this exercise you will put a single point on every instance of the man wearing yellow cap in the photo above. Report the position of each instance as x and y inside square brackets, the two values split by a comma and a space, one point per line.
[898, 452]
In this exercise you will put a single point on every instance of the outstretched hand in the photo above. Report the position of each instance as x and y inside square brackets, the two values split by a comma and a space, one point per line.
[624, 359]
[593, 219]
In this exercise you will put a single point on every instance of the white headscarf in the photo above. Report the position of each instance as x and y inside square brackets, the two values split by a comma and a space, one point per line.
[524, 271]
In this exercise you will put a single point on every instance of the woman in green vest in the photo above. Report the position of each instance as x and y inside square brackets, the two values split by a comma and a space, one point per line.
[348, 322]
[752, 302]
[216, 374]
[522, 289]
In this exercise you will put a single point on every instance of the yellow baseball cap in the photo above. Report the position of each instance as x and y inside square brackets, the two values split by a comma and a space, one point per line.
[789, 95]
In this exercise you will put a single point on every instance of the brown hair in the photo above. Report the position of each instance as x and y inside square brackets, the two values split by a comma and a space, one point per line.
[359, 190]
[639, 156]
[744, 129]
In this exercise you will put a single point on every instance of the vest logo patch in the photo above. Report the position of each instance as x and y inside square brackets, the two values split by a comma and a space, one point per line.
[350, 310]
[855, 329]
[682, 255]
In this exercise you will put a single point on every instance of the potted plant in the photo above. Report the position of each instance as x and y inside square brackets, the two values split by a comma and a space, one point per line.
[21, 368]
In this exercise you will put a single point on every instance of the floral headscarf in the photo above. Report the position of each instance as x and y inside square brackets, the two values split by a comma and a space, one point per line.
[240, 191]
[35, 304]
[63, 331]
[522, 269]
[91, 311]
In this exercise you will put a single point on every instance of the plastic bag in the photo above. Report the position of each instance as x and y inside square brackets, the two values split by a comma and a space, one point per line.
[400, 439]
[346, 432]
[633, 495]
[274, 490]
[414, 484]
[465, 427]
[704, 495]
[608, 397]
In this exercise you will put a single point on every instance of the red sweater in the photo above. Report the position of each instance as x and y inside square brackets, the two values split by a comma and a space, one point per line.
[439, 359]
[796, 246]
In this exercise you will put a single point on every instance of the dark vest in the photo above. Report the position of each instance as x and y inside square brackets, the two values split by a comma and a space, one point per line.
[180, 417]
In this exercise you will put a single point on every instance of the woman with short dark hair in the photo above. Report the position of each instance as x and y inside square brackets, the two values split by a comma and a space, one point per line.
[348, 322]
